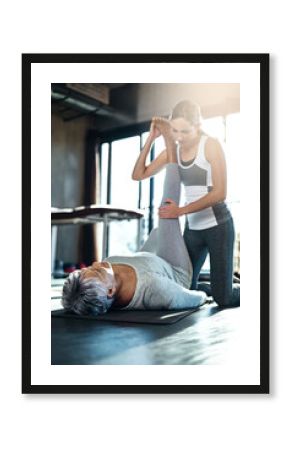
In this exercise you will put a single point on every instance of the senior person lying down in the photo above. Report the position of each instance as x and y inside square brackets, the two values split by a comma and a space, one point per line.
[157, 277]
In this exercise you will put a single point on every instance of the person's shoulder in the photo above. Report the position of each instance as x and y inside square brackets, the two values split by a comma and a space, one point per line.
[212, 142]
[212, 148]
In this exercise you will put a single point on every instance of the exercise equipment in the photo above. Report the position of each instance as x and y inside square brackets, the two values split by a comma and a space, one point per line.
[150, 317]
[89, 215]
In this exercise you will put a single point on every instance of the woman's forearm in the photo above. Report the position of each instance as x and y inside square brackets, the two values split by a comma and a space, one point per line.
[140, 166]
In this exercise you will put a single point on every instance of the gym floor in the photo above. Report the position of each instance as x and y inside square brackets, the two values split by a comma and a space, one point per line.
[207, 336]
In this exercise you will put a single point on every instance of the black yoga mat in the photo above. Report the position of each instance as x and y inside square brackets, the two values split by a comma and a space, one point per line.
[150, 317]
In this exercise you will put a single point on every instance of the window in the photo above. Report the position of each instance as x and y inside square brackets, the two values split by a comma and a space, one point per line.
[104, 173]
[158, 183]
[118, 159]
[215, 127]
[233, 155]
[146, 191]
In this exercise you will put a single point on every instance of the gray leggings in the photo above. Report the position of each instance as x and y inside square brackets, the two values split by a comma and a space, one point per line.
[218, 241]
[167, 241]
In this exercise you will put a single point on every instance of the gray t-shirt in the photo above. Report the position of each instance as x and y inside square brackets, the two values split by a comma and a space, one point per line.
[159, 285]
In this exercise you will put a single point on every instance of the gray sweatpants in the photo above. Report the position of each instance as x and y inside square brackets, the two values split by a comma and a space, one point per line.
[167, 241]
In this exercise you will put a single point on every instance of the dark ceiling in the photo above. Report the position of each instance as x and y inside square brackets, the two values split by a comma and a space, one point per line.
[112, 105]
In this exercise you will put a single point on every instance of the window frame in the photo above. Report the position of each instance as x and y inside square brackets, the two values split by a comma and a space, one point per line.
[119, 134]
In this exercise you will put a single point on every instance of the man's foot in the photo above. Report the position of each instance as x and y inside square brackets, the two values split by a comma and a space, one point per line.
[164, 127]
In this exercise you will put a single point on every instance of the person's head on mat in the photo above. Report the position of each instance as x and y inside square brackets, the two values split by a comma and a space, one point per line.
[90, 291]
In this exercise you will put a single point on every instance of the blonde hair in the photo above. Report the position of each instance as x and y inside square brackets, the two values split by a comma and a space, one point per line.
[187, 110]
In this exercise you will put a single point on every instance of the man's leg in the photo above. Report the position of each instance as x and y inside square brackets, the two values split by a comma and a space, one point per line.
[151, 244]
[170, 243]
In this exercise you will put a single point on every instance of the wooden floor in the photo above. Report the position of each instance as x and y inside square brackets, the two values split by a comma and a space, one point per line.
[208, 336]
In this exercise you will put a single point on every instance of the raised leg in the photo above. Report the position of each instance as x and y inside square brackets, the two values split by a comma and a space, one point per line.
[170, 243]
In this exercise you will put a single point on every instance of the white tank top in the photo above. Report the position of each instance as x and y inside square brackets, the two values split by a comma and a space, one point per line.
[197, 180]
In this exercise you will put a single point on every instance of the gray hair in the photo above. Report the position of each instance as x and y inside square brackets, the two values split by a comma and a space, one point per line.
[85, 296]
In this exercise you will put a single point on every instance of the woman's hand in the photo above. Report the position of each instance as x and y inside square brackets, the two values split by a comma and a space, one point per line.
[162, 126]
[170, 211]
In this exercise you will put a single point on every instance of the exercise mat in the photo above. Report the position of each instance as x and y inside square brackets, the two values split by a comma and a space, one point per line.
[160, 317]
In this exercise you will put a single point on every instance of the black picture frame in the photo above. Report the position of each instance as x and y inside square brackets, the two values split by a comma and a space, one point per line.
[263, 61]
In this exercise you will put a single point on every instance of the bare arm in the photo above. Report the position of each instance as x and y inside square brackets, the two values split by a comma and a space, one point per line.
[141, 170]
[215, 156]
[140, 173]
